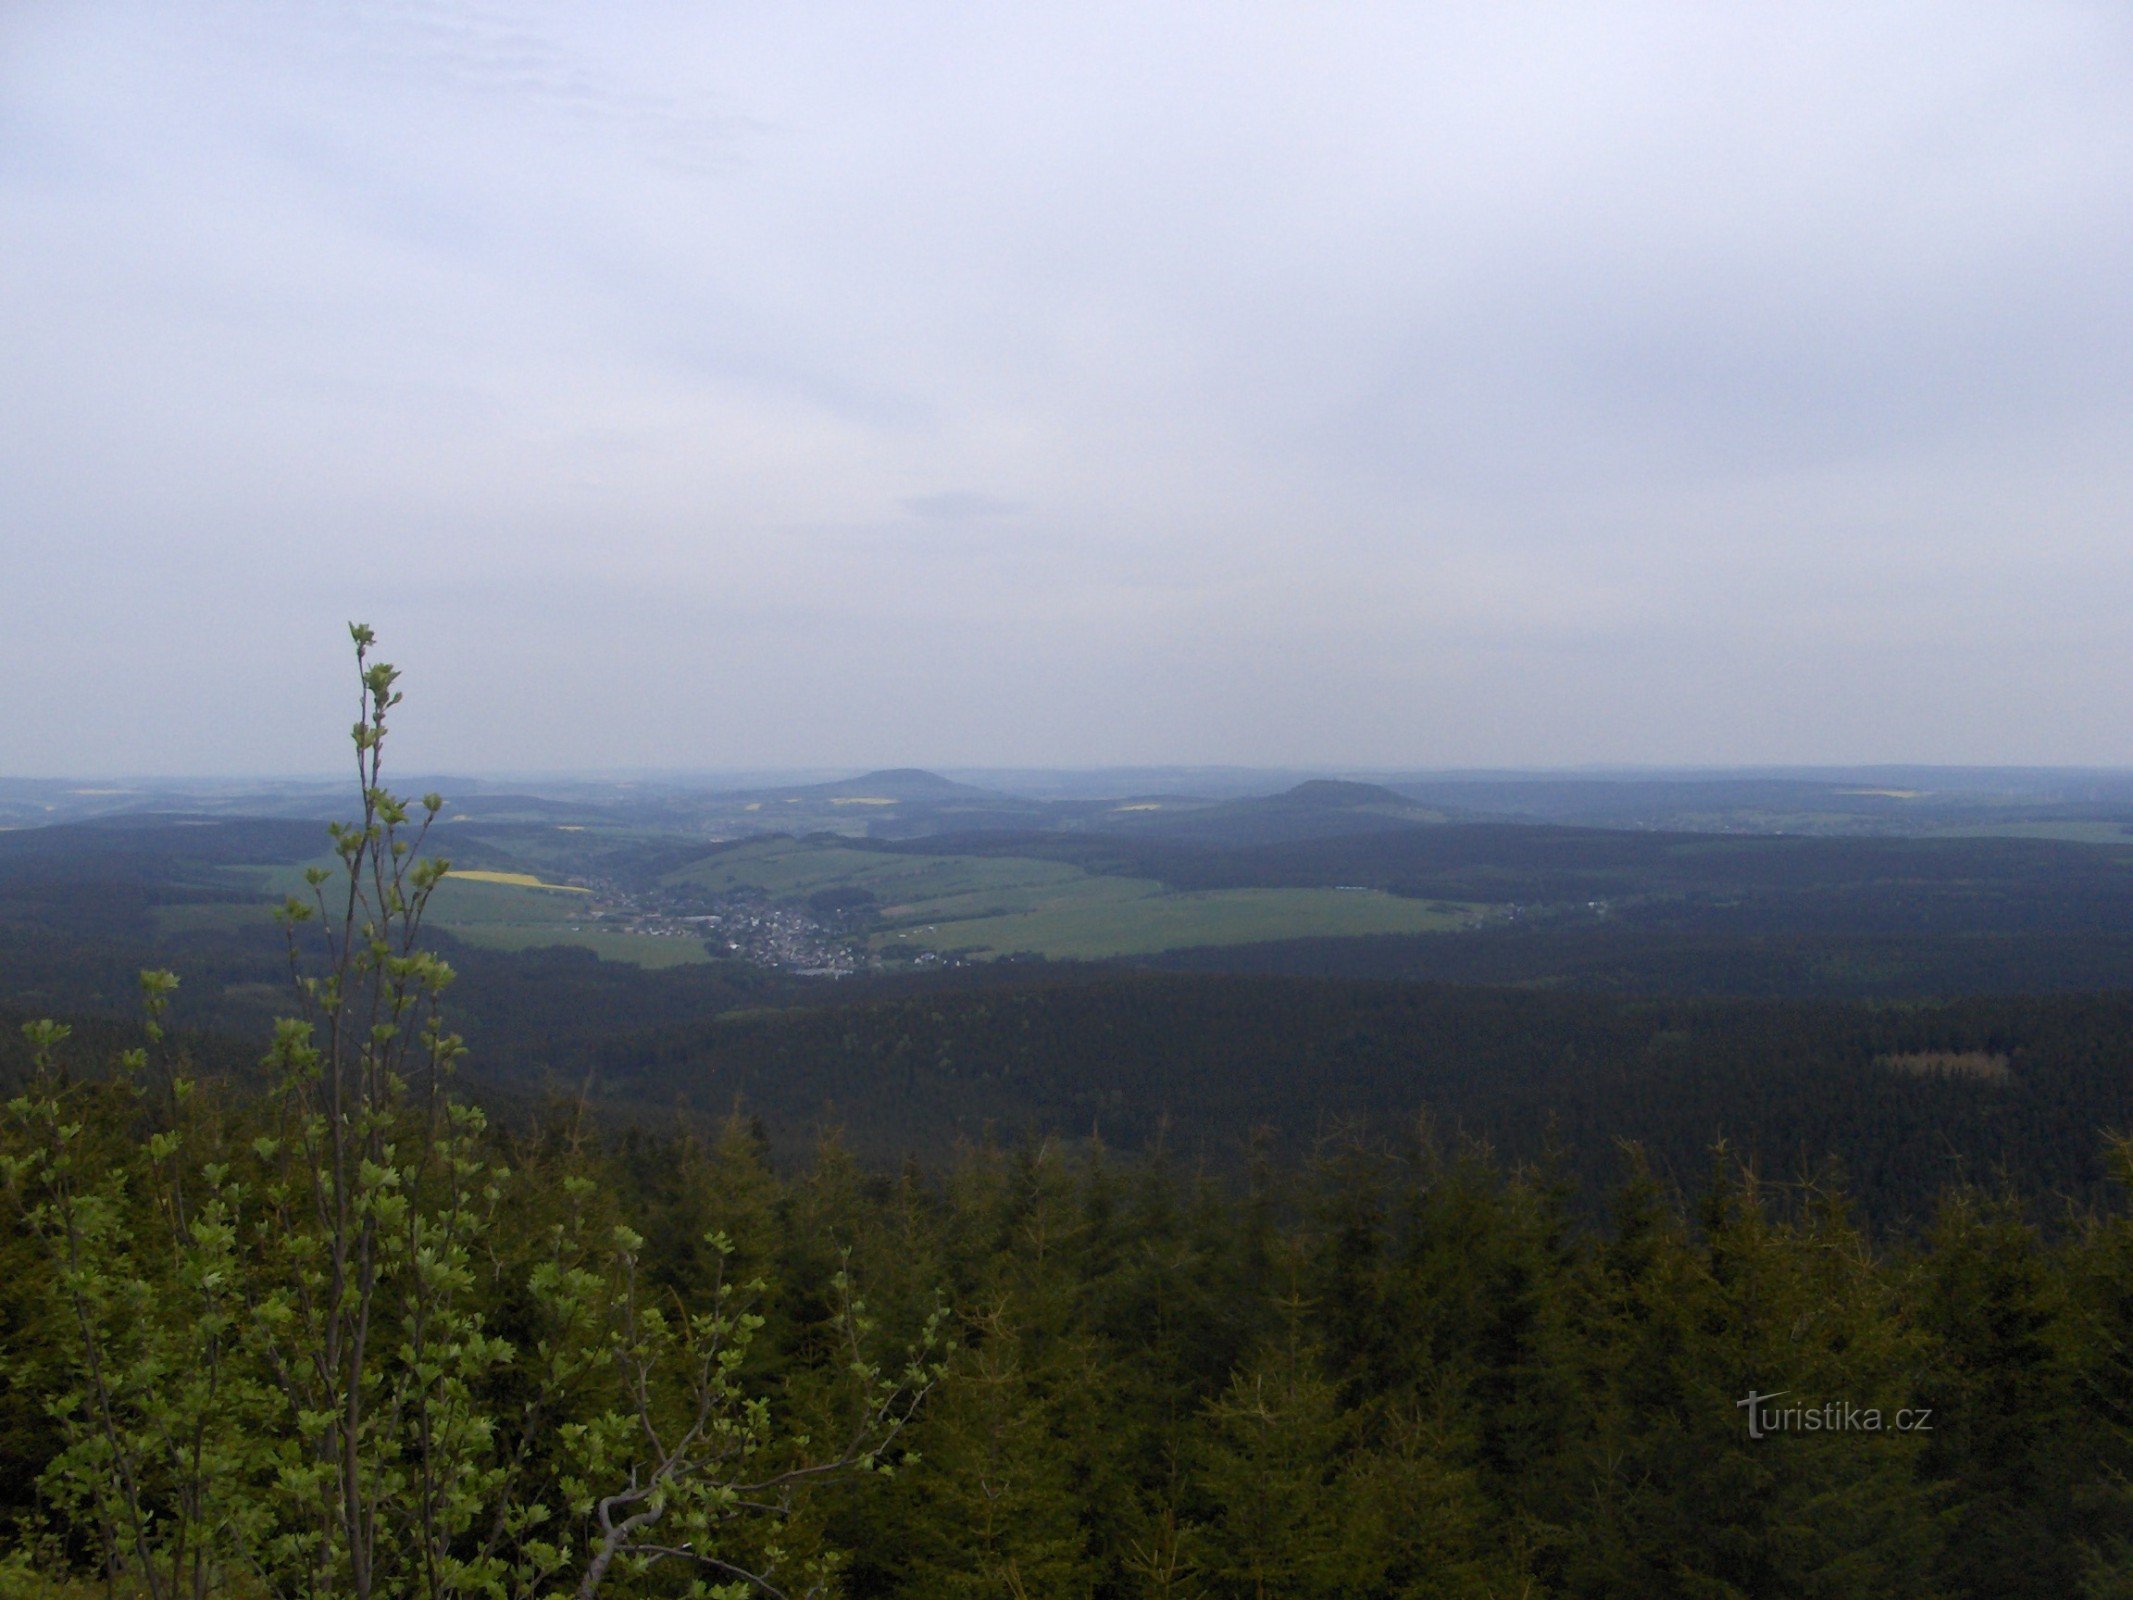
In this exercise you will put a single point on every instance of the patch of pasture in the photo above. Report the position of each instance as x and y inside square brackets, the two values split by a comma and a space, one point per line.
[795, 868]
[1127, 924]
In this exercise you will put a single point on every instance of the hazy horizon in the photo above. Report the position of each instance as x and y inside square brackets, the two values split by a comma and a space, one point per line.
[1373, 389]
[1005, 776]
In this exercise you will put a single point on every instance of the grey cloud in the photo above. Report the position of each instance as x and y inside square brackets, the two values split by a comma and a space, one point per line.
[1376, 387]
[502, 55]
[959, 505]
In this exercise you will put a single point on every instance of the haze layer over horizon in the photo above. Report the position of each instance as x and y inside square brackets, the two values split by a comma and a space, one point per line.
[714, 387]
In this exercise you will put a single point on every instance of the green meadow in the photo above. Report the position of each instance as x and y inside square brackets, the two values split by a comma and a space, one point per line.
[993, 906]
[903, 885]
[1126, 924]
[500, 910]
[976, 906]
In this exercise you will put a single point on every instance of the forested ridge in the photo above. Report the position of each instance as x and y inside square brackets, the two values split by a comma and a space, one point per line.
[1676, 955]
[1393, 1369]
[1915, 885]
[1211, 1062]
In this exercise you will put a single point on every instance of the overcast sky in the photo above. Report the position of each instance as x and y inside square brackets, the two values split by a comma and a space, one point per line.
[705, 385]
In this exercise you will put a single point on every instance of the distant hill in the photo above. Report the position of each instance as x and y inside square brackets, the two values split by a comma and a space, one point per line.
[1318, 808]
[507, 807]
[890, 783]
[1340, 794]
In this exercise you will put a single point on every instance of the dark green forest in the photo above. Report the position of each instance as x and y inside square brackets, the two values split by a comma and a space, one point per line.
[1389, 1367]
[350, 1259]
[1209, 1063]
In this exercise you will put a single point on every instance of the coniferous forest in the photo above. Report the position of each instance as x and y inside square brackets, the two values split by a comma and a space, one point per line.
[322, 1325]
[1390, 1369]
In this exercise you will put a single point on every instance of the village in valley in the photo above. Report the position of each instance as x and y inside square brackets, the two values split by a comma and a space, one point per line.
[751, 928]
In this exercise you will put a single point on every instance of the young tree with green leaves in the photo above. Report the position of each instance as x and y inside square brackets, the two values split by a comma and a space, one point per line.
[278, 1324]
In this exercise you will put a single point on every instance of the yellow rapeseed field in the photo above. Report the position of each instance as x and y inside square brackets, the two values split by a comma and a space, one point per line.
[521, 880]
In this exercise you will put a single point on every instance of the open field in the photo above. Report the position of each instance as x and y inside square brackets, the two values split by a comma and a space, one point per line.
[515, 911]
[1152, 920]
[463, 901]
[502, 910]
[466, 901]
[977, 906]
[1001, 905]
[518, 880]
[904, 885]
